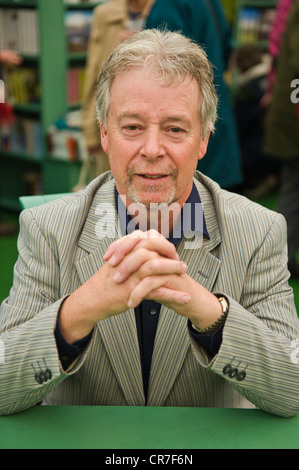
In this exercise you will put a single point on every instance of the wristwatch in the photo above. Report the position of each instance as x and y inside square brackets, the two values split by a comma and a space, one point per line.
[224, 303]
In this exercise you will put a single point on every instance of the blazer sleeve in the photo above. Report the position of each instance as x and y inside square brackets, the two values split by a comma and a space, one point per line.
[260, 332]
[31, 366]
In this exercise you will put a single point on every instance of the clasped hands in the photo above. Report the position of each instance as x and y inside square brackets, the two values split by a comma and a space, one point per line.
[145, 265]
[149, 267]
[142, 265]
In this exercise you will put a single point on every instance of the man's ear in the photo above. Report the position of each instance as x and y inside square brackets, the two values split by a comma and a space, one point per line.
[203, 146]
[104, 138]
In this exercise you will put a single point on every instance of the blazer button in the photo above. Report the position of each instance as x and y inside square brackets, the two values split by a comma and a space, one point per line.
[43, 376]
[153, 311]
[233, 373]
[48, 374]
[226, 369]
[38, 378]
[241, 375]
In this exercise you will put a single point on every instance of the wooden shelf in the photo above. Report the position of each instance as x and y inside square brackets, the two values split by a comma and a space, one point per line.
[76, 56]
[31, 108]
[20, 156]
[19, 3]
[83, 5]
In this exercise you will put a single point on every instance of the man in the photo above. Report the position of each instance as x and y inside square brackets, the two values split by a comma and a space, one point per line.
[102, 314]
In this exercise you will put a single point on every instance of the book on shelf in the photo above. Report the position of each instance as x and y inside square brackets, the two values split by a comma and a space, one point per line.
[254, 24]
[66, 144]
[65, 138]
[78, 26]
[19, 30]
[22, 85]
[75, 85]
[23, 136]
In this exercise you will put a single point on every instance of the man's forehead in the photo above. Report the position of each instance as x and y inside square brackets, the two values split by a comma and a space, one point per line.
[161, 77]
[138, 94]
[165, 115]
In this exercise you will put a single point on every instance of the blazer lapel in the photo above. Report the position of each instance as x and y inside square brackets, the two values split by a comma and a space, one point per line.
[172, 339]
[118, 333]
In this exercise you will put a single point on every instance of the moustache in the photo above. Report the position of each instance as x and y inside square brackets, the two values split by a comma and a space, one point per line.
[158, 171]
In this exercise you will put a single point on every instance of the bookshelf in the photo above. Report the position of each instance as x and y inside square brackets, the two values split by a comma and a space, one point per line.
[253, 22]
[27, 167]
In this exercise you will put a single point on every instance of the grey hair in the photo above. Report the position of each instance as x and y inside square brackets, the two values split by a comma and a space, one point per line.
[172, 56]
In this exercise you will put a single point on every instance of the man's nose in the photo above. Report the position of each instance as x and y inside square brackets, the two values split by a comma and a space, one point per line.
[153, 144]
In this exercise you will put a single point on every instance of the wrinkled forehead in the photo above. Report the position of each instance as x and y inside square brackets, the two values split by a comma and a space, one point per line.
[164, 77]
[158, 76]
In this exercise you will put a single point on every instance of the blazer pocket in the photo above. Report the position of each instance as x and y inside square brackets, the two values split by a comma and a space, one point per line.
[46, 295]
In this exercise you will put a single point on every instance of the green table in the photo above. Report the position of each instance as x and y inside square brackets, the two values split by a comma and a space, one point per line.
[101, 427]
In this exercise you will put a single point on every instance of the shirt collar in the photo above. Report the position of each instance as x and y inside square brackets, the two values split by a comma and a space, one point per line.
[192, 217]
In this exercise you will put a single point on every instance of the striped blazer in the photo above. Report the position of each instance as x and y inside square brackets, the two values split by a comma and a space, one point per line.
[61, 245]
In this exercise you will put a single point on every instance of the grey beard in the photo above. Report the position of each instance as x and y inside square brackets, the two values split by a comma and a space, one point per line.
[132, 194]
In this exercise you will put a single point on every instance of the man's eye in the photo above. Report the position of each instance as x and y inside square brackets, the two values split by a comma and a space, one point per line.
[176, 130]
[131, 127]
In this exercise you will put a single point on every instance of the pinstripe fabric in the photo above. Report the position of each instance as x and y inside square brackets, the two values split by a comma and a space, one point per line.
[244, 258]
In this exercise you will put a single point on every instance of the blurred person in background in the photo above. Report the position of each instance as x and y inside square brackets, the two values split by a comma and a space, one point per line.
[275, 39]
[261, 173]
[282, 132]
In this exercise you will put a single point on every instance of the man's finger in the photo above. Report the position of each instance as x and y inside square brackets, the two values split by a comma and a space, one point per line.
[169, 297]
[150, 239]
[148, 264]
[150, 284]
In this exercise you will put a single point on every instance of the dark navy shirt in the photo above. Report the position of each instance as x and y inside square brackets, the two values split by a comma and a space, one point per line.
[147, 313]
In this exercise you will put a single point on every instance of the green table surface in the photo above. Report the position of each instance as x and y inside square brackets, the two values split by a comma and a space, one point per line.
[100, 427]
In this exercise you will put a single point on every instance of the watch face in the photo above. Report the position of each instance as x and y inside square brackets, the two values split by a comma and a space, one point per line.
[224, 304]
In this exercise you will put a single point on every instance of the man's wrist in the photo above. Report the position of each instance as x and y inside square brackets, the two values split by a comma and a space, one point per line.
[219, 322]
[72, 327]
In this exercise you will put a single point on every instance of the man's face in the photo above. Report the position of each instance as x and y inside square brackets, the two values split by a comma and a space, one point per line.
[153, 137]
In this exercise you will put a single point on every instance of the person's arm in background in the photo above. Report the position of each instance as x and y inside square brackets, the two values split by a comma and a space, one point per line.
[10, 58]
